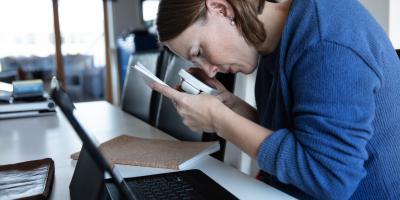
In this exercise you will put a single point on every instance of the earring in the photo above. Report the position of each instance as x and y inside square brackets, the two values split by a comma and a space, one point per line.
[232, 21]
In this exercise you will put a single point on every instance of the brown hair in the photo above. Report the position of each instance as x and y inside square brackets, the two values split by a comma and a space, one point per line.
[174, 16]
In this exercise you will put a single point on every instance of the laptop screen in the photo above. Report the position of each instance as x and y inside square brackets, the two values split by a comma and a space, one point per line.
[90, 143]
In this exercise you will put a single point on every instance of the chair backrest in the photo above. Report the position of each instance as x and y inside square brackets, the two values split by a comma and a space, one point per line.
[136, 96]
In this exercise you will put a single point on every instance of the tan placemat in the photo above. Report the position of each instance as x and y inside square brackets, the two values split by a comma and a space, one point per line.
[130, 150]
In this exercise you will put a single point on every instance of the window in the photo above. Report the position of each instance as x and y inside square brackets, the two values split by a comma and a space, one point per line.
[28, 44]
[149, 10]
[83, 48]
[26, 39]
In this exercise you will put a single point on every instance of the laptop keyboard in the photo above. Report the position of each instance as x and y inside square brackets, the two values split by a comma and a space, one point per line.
[166, 187]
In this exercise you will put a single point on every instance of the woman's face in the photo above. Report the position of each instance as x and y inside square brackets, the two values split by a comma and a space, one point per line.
[215, 45]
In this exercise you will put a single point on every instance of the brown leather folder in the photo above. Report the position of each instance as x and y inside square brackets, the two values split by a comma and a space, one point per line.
[27, 180]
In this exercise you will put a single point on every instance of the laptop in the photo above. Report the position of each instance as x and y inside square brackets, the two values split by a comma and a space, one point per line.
[188, 184]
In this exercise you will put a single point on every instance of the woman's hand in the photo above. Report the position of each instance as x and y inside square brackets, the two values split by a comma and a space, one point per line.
[197, 111]
[224, 95]
[231, 101]
[206, 113]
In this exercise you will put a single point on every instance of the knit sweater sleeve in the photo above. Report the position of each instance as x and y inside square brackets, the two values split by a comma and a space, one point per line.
[333, 108]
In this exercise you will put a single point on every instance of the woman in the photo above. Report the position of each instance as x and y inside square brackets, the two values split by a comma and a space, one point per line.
[327, 90]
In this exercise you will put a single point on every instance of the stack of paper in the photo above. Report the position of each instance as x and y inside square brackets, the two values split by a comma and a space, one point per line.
[147, 76]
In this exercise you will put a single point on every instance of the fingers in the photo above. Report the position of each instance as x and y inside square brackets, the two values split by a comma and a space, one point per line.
[167, 91]
[227, 98]
[179, 88]
[220, 97]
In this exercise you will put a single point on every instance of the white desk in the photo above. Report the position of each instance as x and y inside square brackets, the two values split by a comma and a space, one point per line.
[52, 136]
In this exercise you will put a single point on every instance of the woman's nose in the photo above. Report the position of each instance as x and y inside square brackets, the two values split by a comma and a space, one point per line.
[212, 70]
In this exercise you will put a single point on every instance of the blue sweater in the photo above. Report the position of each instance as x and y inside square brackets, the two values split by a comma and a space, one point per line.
[331, 94]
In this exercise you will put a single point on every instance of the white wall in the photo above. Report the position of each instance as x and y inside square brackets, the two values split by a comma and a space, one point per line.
[126, 15]
[394, 23]
[380, 10]
[387, 13]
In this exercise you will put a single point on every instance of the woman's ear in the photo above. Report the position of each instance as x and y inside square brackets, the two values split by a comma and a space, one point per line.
[220, 7]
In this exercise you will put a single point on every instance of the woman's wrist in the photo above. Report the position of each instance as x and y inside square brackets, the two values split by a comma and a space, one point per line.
[219, 112]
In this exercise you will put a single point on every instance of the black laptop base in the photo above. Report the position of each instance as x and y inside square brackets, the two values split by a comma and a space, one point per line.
[88, 183]
[189, 184]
